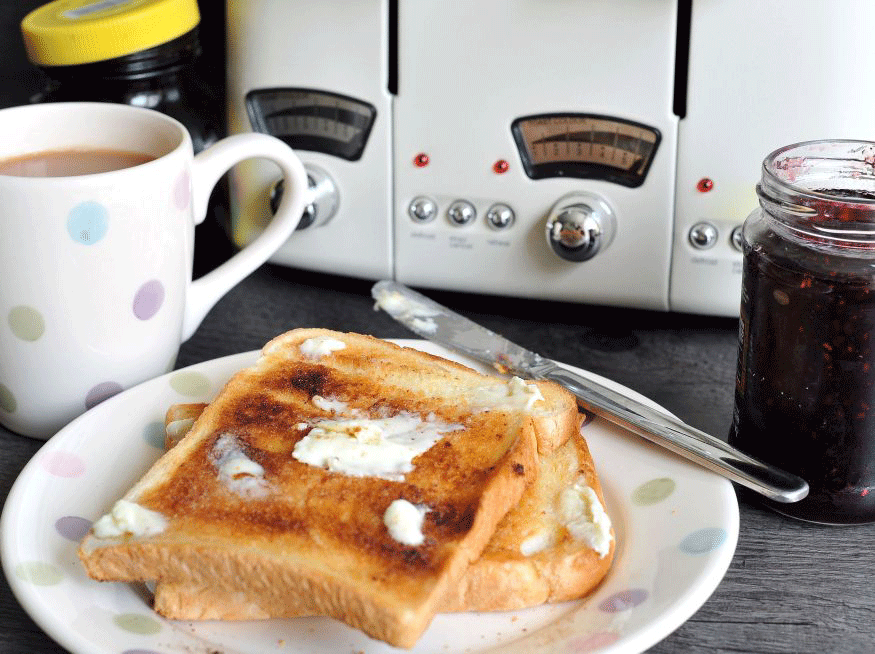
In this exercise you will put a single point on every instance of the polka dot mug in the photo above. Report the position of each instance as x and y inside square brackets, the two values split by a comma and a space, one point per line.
[96, 292]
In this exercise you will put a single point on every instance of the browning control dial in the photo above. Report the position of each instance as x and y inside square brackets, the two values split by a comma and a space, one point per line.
[323, 199]
[580, 226]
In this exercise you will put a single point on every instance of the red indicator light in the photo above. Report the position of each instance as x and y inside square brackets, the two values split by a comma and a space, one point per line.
[500, 167]
[704, 185]
[421, 160]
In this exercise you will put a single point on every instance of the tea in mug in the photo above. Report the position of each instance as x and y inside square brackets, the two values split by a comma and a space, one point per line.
[70, 163]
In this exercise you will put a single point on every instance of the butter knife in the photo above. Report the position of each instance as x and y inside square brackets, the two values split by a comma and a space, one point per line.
[439, 324]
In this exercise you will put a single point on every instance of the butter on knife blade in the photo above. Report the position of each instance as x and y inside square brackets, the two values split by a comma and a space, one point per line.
[439, 324]
[405, 309]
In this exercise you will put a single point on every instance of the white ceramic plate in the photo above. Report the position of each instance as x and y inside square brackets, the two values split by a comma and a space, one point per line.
[676, 526]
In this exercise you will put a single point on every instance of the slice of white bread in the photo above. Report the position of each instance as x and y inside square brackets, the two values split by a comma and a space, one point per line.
[532, 558]
[235, 506]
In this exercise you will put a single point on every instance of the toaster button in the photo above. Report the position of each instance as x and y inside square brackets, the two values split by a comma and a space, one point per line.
[703, 235]
[500, 216]
[461, 212]
[737, 239]
[422, 209]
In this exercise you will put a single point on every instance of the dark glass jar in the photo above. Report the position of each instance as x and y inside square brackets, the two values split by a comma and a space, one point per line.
[805, 383]
[137, 52]
[161, 78]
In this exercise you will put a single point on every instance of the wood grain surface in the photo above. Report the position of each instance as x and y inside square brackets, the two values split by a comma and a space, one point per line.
[791, 587]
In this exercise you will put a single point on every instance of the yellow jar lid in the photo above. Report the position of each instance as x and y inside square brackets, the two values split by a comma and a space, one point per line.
[70, 32]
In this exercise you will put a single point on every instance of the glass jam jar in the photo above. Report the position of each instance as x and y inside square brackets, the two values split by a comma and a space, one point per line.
[805, 381]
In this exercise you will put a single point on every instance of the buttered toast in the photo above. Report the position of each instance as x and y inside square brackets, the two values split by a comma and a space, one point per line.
[340, 475]
[555, 545]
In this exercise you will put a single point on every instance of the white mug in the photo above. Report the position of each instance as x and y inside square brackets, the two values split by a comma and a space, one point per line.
[96, 290]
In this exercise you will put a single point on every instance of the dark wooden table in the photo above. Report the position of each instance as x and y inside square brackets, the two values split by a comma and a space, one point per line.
[791, 587]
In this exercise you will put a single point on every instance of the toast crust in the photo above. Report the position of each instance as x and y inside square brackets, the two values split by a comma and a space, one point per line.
[318, 543]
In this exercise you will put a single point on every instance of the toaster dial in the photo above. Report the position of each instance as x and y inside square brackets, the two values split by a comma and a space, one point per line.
[323, 197]
[313, 119]
[580, 226]
[587, 146]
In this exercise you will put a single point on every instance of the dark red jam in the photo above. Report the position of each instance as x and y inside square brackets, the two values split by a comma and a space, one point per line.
[805, 385]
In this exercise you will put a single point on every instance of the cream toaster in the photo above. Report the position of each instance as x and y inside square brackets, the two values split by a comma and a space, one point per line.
[589, 151]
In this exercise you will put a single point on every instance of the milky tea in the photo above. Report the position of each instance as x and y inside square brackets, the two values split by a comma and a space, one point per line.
[70, 163]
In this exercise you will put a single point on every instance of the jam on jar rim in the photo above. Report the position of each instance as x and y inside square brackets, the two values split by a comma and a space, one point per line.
[824, 191]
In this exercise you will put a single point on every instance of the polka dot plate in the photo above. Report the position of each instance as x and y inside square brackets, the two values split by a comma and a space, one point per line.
[676, 526]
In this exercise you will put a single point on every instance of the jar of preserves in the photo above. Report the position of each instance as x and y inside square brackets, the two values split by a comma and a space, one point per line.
[805, 382]
[137, 52]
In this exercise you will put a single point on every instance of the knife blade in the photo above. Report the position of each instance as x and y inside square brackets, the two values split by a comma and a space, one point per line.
[441, 325]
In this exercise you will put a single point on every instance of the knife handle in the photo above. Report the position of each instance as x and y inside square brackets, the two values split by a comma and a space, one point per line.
[677, 436]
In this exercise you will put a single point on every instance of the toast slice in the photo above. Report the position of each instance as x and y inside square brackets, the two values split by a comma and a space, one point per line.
[340, 475]
[556, 545]
[533, 556]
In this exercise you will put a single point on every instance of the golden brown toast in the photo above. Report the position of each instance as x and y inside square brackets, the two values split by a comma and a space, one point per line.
[531, 559]
[282, 486]
[556, 545]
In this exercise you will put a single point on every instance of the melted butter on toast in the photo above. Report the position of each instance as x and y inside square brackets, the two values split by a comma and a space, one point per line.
[363, 447]
[515, 394]
[237, 471]
[320, 346]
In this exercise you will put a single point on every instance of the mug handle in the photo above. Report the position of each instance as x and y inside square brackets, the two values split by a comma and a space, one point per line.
[208, 166]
